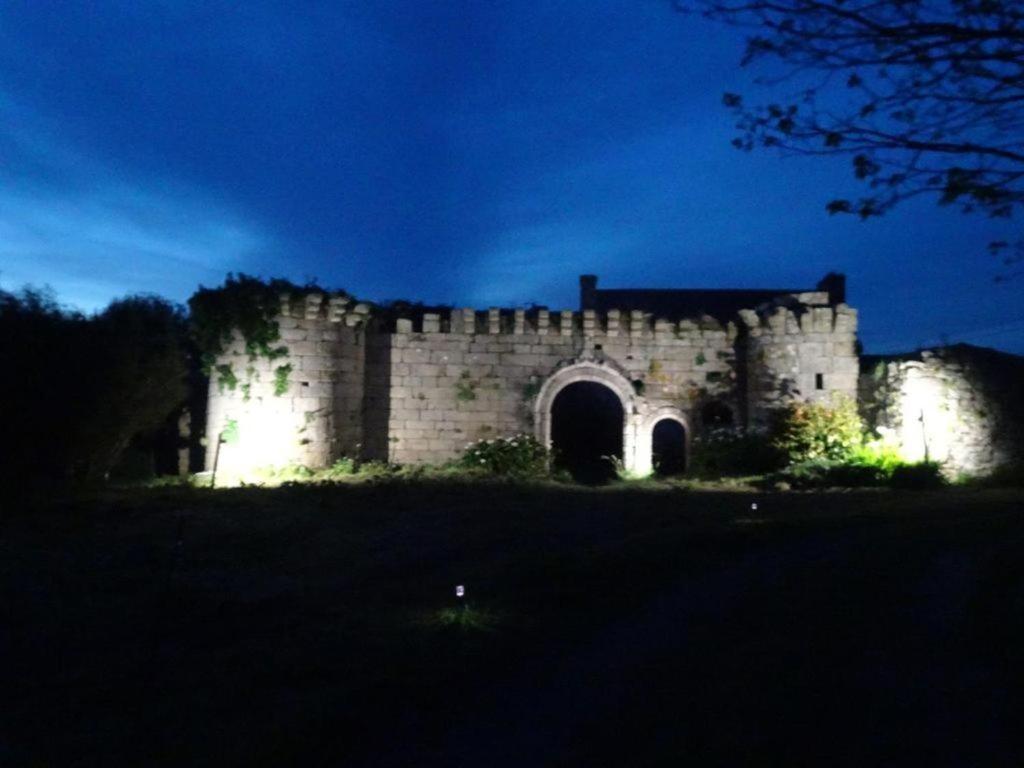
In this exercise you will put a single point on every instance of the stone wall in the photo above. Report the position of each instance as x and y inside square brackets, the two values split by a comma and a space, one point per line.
[319, 414]
[961, 406]
[805, 352]
[471, 375]
[419, 389]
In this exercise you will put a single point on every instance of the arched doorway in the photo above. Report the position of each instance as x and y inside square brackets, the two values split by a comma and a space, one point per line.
[587, 431]
[668, 448]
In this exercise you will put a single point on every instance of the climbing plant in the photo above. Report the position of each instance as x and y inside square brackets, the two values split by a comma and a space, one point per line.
[248, 306]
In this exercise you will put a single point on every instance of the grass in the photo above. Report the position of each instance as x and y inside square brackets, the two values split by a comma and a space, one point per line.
[638, 624]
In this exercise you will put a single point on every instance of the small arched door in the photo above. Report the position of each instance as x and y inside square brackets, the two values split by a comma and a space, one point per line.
[668, 448]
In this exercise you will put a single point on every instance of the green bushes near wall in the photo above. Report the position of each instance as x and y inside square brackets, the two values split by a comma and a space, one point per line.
[826, 446]
[810, 445]
[520, 455]
[733, 452]
[815, 431]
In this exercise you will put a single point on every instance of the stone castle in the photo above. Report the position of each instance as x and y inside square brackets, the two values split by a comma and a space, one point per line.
[633, 374]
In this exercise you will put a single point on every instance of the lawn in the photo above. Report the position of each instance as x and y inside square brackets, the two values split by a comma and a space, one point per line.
[605, 626]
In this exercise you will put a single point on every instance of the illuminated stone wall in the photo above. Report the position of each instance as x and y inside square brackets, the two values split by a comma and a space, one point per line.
[309, 417]
[806, 351]
[468, 375]
[961, 406]
[419, 389]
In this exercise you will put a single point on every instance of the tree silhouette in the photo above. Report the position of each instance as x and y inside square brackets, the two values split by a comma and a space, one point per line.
[925, 96]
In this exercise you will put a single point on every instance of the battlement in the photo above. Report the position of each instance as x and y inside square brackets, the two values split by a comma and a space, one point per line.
[807, 316]
[804, 319]
[544, 322]
[412, 383]
[332, 307]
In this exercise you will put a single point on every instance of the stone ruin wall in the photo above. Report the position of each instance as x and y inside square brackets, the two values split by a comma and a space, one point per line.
[418, 391]
[958, 406]
[319, 417]
[475, 375]
[807, 352]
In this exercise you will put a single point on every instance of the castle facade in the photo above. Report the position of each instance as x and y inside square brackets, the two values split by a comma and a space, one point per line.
[644, 370]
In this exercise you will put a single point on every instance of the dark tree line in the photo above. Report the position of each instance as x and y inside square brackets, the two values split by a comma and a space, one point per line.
[926, 97]
[76, 390]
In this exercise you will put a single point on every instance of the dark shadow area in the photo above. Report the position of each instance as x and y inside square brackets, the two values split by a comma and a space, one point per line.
[668, 447]
[377, 398]
[586, 430]
[634, 626]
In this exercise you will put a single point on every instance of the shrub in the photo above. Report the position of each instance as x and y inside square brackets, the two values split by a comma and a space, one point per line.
[808, 431]
[78, 390]
[343, 467]
[921, 476]
[881, 457]
[519, 455]
[825, 473]
[733, 451]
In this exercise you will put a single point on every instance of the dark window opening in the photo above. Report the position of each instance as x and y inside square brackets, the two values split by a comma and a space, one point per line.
[819, 381]
[668, 448]
[586, 431]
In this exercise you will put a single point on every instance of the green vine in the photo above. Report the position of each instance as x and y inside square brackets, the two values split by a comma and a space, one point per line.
[249, 306]
[531, 389]
[230, 432]
[281, 374]
[226, 378]
[465, 387]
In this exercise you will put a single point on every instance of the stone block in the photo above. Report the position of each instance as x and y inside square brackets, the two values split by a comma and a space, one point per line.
[821, 320]
[543, 322]
[565, 324]
[614, 320]
[312, 305]
[637, 324]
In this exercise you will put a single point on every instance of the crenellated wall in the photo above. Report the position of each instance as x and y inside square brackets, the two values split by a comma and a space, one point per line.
[418, 389]
[310, 416]
[469, 375]
[804, 352]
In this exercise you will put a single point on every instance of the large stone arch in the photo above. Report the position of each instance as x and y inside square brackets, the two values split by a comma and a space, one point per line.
[645, 432]
[598, 373]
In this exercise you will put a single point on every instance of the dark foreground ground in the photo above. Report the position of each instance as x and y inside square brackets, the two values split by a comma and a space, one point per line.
[307, 626]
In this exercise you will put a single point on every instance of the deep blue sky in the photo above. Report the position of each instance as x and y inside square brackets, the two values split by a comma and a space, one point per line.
[470, 152]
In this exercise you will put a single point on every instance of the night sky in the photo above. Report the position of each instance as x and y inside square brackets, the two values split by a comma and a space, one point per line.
[476, 153]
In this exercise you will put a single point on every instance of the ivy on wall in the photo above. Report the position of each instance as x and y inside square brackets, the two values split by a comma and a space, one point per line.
[248, 306]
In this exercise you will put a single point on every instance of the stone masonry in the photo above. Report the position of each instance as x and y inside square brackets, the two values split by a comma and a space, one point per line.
[419, 388]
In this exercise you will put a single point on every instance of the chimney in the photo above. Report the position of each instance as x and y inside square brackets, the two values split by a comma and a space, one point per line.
[834, 283]
[588, 292]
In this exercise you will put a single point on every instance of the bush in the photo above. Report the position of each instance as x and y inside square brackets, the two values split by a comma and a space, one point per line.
[733, 451]
[824, 473]
[810, 431]
[921, 476]
[885, 459]
[519, 455]
[78, 390]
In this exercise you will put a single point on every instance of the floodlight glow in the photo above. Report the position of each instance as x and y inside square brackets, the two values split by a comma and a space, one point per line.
[929, 419]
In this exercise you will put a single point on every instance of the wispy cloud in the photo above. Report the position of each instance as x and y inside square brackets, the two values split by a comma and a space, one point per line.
[91, 232]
